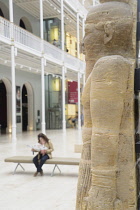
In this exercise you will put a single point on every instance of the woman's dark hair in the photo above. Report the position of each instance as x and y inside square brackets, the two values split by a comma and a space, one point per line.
[43, 136]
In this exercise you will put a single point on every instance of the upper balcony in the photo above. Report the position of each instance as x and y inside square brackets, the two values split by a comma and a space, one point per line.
[52, 6]
[89, 3]
[52, 9]
[76, 6]
[30, 43]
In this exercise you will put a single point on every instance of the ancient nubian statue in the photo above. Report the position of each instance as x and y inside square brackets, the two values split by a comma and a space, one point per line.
[107, 167]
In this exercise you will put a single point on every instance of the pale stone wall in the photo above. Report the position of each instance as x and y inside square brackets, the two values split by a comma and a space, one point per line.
[107, 168]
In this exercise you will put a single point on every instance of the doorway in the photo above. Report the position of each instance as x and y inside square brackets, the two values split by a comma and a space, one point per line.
[24, 109]
[28, 123]
[3, 107]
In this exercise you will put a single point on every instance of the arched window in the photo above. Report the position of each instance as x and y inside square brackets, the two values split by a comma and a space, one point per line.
[25, 23]
[1, 13]
[22, 25]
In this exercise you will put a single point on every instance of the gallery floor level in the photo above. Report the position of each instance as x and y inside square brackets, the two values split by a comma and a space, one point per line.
[22, 190]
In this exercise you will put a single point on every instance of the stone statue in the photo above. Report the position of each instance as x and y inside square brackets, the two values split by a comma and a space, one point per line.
[107, 167]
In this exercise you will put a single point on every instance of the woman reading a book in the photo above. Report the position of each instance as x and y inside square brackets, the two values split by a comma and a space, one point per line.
[45, 148]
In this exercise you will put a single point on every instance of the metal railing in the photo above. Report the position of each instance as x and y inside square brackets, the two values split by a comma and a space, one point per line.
[33, 42]
[26, 38]
[52, 51]
[71, 61]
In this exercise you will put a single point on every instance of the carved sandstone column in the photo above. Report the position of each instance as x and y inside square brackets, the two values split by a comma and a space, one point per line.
[107, 173]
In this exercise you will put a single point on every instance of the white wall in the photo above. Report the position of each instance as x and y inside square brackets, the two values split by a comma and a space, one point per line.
[19, 13]
[21, 78]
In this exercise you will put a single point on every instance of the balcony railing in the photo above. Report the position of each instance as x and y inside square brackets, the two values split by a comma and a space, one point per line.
[4, 27]
[53, 51]
[33, 42]
[26, 38]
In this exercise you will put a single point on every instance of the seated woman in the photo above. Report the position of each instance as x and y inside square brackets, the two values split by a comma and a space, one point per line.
[43, 155]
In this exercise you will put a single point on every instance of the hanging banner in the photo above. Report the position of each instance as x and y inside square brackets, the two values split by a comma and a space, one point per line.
[72, 92]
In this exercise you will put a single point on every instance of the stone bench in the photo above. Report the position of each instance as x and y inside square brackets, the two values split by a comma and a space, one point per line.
[55, 160]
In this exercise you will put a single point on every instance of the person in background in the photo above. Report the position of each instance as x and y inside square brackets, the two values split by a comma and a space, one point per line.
[54, 42]
[43, 155]
[82, 119]
[75, 120]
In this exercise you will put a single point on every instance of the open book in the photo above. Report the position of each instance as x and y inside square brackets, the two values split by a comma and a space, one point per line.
[38, 147]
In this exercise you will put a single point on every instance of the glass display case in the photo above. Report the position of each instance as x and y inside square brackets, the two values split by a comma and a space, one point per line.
[52, 31]
[53, 102]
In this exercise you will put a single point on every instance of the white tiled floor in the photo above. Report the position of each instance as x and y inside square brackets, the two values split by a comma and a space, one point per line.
[22, 191]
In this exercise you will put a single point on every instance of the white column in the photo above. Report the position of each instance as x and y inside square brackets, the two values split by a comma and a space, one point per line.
[43, 127]
[83, 32]
[63, 99]
[79, 102]
[43, 96]
[78, 36]
[83, 80]
[13, 72]
[41, 19]
[94, 2]
[62, 26]
[83, 27]
[13, 93]
[11, 11]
